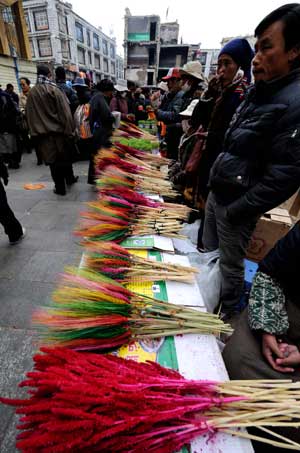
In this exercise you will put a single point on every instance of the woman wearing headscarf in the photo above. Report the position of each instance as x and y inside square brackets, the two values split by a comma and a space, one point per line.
[119, 102]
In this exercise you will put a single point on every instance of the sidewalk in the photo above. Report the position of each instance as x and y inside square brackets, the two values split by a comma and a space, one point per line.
[28, 270]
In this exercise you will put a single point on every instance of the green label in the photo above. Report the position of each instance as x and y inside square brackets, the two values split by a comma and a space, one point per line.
[138, 243]
[138, 36]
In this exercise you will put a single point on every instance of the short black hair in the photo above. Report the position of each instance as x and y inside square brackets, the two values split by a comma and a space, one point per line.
[290, 16]
[60, 73]
[105, 85]
[26, 80]
[131, 84]
[9, 85]
[43, 69]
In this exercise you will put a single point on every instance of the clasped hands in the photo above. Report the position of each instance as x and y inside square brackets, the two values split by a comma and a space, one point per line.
[282, 357]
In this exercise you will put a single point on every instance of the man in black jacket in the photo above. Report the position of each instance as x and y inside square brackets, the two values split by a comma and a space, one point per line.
[60, 78]
[169, 110]
[101, 121]
[260, 164]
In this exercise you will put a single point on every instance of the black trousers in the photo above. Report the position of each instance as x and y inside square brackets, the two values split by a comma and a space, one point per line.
[12, 226]
[62, 174]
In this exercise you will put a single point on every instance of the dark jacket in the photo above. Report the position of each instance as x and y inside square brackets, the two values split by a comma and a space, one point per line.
[260, 165]
[169, 114]
[170, 108]
[101, 120]
[8, 113]
[283, 263]
[70, 93]
[220, 107]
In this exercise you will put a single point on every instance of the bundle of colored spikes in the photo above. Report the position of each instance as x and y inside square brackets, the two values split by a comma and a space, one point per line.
[116, 262]
[129, 130]
[114, 218]
[94, 312]
[90, 403]
[140, 180]
[155, 160]
[126, 162]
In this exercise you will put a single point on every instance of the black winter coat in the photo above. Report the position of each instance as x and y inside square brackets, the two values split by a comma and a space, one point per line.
[282, 263]
[259, 167]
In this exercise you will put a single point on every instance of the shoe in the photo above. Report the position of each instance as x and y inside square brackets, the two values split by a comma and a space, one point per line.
[58, 192]
[20, 238]
[73, 181]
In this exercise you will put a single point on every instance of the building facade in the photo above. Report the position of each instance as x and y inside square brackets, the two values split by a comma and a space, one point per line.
[59, 36]
[119, 67]
[15, 55]
[151, 48]
[141, 48]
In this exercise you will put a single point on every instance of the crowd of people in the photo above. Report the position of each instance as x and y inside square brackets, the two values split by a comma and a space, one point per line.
[234, 147]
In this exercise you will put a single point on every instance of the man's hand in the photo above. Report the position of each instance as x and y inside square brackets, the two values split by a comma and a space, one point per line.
[271, 351]
[291, 358]
[130, 117]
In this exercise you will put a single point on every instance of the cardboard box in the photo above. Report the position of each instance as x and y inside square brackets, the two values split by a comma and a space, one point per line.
[271, 227]
[292, 205]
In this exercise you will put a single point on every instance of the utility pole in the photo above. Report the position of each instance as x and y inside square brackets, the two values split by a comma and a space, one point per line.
[167, 14]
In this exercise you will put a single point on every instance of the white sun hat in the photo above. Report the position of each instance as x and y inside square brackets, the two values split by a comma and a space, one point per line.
[193, 68]
[190, 108]
[121, 85]
[163, 86]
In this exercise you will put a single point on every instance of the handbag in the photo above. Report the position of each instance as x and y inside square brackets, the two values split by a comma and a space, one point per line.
[193, 162]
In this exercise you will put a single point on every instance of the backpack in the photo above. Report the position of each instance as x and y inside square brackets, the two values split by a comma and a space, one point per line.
[82, 121]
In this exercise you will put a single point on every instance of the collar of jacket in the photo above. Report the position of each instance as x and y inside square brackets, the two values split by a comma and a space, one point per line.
[262, 88]
[44, 80]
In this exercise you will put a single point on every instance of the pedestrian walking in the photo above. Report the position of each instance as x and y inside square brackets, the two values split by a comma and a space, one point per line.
[51, 124]
[12, 226]
[9, 113]
[60, 78]
[101, 121]
[23, 127]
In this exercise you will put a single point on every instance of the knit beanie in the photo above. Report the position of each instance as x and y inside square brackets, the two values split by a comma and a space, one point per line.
[240, 51]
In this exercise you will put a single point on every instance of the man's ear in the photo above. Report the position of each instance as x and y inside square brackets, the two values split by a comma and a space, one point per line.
[294, 53]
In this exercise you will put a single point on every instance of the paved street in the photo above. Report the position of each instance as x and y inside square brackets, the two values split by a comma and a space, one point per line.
[28, 270]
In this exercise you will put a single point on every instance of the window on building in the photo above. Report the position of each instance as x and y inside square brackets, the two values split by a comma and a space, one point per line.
[97, 61]
[105, 47]
[105, 65]
[32, 48]
[178, 60]
[96, 41]
[152, 54]
[7, 15]
[150, 78]
[112, 51]
[62, 23]
[79, 32]
[202, 58]
[65, 49]
[81, 55]
[88, 38]
[45, 49]
[41, 20]
[152, 31]
[26, 16]
[113, 67]
[90, 58]
[98, 77]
